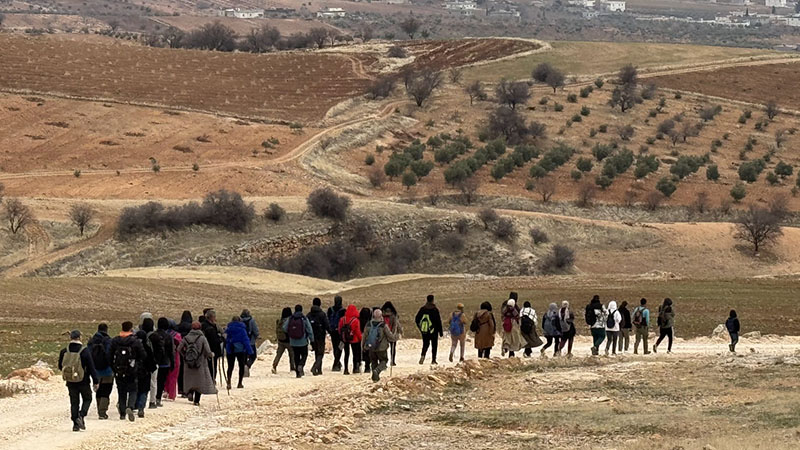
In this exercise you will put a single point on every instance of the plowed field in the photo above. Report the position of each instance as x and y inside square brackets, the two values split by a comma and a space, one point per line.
[443, 54]
[756, 84]
[285, 86]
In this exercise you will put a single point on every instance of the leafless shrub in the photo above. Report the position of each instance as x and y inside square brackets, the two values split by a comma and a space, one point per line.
[560, 259]
[274, 213]
[17, 214]
[505, 230]
[323, 202]
[488, 216]
[81, 215]
[452, 243]
[377, 177]
[538, 236]
[546, 188]
[586, 194]
[653, 200]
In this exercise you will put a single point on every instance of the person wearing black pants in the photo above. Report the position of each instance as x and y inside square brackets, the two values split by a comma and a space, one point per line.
[99, 346]
[666, 320]
[237, 348]
[129, 347]
[350, 331]
[241, 359]
[484, 353]
[334, 314]
[355, 349]
[364, 317]
[298, 328]
[73, 360]
[320, 327]
[429, 323]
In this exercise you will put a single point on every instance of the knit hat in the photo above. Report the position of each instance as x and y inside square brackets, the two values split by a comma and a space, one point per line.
[196, 325]
[75, 335]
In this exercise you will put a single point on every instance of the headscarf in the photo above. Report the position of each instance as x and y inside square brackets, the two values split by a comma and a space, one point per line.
[511, 303]
[196, 325]
[487, 306]
[186, 317]
[377, 315]
[388, 306]
[552, 310]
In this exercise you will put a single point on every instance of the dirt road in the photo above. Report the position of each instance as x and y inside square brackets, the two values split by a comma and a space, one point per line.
[40, 421]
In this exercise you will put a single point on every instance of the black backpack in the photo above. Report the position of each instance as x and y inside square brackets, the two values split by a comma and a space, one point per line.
[475, 325]
[124, 362]
[316, 326]
[99, 356]
[347, 331]
[159, 346]
[591, 317]
[611, 322]
[526, 326]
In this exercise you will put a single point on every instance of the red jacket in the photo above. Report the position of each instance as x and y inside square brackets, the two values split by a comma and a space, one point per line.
[351, 317]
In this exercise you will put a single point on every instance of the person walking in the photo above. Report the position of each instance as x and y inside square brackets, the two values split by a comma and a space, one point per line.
[458, 331]
[283, 341]
[375, 340]
[595, 318]
[625, 327]
[184, 327]
[298, 328]
[566, 320]
[127, 358]
[100, 348]
[252, 332]
[171, 384]
[392, 319]
[320, 327]
[350, 333]
[613, 322]
[484, 327]
[641, 321]
[148, 368]
[196, 351]
[732, 324]
[215, 340]
[76, 366]
[335, 314]
[551, 328]
[512, 338]
[429, 323]
[527, 328]
[164, 354]
[237, 348]
[666, 320]
[364, 316]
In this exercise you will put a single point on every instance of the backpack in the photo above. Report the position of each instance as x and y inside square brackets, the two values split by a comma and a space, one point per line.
[159, 347]
[247, 327]
[563, 319]
[507, 324]
[456, 327]
[662, 316]
[638, 317]
[526, 325]
[316, 326]
[347, 331]
[334, 317]
[279, 333]
[426, 324]
[475, 325]
[590, 316]
[99, 356]
[611, 322]
[297, 328]
[192, 355]
[124, 362]
[373, 337]
[71, 367]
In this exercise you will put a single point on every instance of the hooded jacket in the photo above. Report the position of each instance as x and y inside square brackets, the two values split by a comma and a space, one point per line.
[212, 334]
[385, 336]
[334, 316]
[612, 310]
[237, 341]
[185, 326]
[392, 319]
[351, 317]
[128, 340]
[252, 328]
[484, 337]
[432, 312]
[732, 324]
[319, 323]
[308, 335]
[625, 323]
[103, 366]
[551, 322]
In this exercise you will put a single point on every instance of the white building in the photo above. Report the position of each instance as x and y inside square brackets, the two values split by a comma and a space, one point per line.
[776, 3]
[329, 13]
[240, 13]
[614, 5]
[465, 8]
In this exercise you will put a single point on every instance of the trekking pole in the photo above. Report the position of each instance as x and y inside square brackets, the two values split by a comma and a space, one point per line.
[218, 406]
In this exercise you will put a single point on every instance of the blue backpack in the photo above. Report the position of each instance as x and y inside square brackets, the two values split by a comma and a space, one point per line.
[456, 326]
[372, 338]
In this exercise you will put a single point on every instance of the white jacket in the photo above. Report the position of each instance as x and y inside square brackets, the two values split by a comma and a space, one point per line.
[612, 309]
[530, 313]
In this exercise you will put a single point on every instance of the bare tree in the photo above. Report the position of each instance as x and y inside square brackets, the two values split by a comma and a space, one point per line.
[653, 200]
[628, 75]
[771, 109]
[701, 202]
[475, 91]
[555, 79]
[758, 227]
[366, 32]
[18, 215]
[512, 93]
[81, 215]
[262, 40]
[410, 26]
[319, 36]
[173, 37]
[212, 36]
[381, 88]
[455, 74]
[421, 87]
[469, 189]
[586, 193]
[488, 216]
[624, 96]
[546, 187]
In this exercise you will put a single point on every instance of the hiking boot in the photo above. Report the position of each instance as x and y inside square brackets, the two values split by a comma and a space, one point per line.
[153, 405]
[434, 363]
[196, 403]
[346, 372]
[337, 367]
[730, 347]
[141, 413]
[461, 360]
[646, 353]
[81, 423]
[247, 371]
[451, 357]
[240, 386]
[75, 426]
[158, 403]
[569, 355]
[655, 349]
[394, 363]
[131, 416]
[376, 376]
[274, 370]
[229, 386]
[122, 416]
[422, 360]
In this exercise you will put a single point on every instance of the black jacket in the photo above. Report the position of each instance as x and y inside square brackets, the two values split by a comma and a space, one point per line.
[213, 336]
[104, 341]
[335, 313]
[626, 323]
[732, 324]
[86, 362]
[163, 350]
[433, 312]
[319, 323]
[148, 365]
[184, 328]
[136, 347]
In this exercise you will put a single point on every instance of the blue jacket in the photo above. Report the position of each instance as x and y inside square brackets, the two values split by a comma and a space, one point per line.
[308, 335]
[237, 334]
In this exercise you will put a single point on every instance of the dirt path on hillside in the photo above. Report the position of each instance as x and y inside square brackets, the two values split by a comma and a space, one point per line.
[42, 257]
[38, 239]
[40, 420]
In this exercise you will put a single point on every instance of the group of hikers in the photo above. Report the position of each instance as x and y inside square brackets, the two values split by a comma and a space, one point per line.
[153, 359]
[183, 358]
